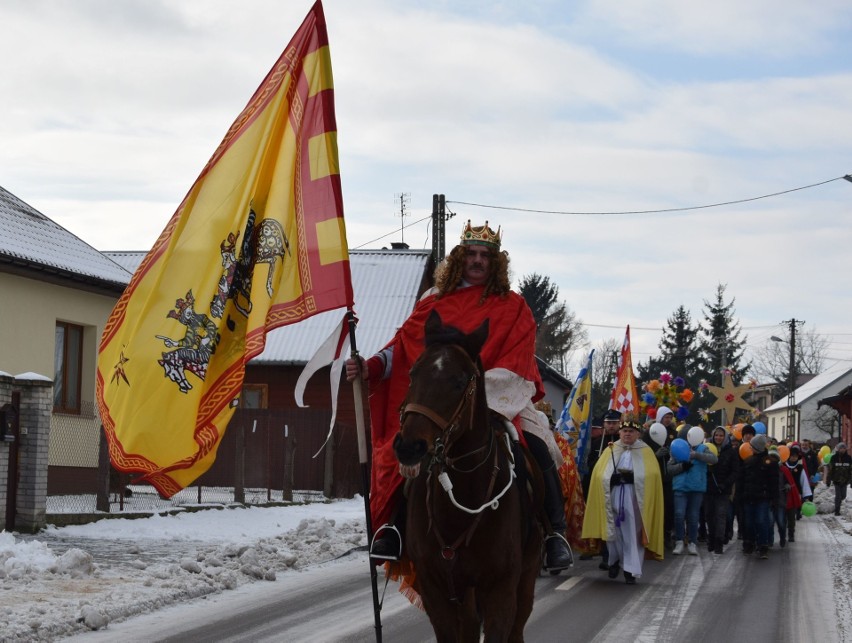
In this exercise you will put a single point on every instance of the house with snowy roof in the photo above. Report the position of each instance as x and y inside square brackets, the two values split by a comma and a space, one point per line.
[807, 419]
[56, 293]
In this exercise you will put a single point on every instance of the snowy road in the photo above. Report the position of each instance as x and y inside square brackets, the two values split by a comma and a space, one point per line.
[709, 598]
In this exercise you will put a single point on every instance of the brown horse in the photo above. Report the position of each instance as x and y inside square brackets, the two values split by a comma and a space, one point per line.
[471, 532]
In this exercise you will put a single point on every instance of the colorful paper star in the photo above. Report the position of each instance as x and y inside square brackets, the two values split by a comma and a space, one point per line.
[729, 398]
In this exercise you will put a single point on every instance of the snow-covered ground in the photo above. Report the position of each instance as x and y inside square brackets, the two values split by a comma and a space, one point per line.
[68, 580]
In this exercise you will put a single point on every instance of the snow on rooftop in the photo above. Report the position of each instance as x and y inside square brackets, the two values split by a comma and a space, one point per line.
[832, 375]
[30, 238]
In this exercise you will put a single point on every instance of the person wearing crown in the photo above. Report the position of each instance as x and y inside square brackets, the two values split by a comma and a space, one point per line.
[471, 285]
[625, 505]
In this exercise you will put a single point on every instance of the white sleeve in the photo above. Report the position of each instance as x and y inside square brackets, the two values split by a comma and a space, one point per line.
[507, 392]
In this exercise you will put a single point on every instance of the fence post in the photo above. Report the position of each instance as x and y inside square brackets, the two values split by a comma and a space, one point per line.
[102, 494]
[240, 465]
[289, 447]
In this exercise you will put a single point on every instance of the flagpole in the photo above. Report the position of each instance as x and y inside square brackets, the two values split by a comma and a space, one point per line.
[365, 475]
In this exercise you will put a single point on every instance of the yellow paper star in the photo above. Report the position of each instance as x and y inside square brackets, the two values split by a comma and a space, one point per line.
[729, 398]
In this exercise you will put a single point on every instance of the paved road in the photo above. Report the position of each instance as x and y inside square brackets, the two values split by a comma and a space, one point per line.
[710, 598]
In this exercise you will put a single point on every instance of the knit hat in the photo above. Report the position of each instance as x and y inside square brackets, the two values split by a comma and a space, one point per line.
[748, 428]
[774, 453]
[840, 445]
[758, 443]
[662, 411]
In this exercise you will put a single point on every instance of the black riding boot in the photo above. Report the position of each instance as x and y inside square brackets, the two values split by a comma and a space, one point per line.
[387, 539]
[557, 552]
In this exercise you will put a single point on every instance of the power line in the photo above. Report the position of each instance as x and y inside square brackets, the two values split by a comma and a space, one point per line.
[657, 211]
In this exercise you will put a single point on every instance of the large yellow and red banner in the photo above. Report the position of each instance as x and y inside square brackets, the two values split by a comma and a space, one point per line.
[258, 242]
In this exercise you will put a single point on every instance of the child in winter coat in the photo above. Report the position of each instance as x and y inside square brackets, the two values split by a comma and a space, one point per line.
[689, 482]
[796, 476]
[839, 474]
[720, 487]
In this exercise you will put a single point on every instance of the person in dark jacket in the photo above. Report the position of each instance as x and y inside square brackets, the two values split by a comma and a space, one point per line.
[839, 474]
[666, 417]
[721, 478]
[811, 459]
[609, 433]
[758, 483]
[799, 492]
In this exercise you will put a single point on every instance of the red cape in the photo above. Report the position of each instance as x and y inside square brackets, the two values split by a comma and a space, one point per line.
[510, 345]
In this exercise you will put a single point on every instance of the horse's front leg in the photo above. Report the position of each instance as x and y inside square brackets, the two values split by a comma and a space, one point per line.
[448, 618]
[497, 603]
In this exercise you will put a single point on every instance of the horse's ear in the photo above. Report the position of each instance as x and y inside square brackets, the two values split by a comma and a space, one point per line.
[434, 324]
[476, 340]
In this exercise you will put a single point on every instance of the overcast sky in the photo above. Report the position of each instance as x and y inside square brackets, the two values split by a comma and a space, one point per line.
[110, 109]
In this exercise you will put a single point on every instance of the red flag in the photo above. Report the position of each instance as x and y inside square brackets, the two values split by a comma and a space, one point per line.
[258, 242]
[624, 397]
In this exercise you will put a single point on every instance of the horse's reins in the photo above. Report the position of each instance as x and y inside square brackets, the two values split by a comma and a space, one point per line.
[439, 458]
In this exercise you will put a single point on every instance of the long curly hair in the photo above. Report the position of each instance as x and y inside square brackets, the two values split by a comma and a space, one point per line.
[448, 274]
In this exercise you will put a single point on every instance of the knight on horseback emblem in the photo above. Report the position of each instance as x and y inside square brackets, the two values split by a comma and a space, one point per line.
[191, 353]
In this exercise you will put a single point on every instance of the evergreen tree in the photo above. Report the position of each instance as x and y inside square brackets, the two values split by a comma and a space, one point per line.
[678, 351]
[557, 328]
[678, 355]
[720, 346]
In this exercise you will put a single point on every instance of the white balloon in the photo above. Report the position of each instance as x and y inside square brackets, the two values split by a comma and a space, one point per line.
[695, 436]
[658, 433]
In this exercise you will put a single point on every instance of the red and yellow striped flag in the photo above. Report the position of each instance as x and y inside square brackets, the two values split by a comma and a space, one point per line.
[624, 396]
[258, 242]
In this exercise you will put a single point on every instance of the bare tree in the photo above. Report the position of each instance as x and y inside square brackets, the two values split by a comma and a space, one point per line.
[604, 363]
[826, 420]
[771, 361]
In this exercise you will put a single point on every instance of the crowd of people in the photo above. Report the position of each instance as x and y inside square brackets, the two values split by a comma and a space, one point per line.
[732, 477]
[639, 498]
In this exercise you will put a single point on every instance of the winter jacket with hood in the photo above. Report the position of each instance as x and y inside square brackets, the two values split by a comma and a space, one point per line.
[722, 476]
[691, 476]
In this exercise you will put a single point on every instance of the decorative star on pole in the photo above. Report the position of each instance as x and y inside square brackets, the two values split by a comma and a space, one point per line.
[729, 398]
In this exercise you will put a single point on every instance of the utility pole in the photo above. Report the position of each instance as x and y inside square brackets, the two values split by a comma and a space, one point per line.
[439, 219]
[793, 430]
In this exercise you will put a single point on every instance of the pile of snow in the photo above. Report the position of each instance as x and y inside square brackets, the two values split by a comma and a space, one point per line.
[64, 580]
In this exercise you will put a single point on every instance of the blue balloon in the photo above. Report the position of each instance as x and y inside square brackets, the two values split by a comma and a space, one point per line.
[680, 450]
[759, 428]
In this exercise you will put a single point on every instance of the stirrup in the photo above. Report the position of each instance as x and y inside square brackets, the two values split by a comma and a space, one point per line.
[380, 530]
[556, 570]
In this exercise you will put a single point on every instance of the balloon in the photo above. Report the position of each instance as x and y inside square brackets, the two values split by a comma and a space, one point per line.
[808, 508]
[759, 428]
[784, 452]
[680, 450]
[712, 449]
[746, 451]
[737, 432]
[826, 458]
[823, 450]
[658, 433]
[695, 436]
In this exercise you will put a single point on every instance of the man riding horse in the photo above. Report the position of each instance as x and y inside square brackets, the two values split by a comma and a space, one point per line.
[472, 285]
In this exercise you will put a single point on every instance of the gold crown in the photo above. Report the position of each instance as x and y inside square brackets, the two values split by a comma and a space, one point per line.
[481, 236]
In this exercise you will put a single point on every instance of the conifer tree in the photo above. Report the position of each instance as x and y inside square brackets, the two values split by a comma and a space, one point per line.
[720, 343]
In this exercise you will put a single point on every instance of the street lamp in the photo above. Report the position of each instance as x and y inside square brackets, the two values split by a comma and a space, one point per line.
[791, 393]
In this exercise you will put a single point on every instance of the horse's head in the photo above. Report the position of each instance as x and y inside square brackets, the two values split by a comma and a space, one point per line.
[443, 389]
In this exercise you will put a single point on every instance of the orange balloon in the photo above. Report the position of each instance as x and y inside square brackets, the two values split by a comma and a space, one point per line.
[746, 451]
[737, 432]
[784, 452]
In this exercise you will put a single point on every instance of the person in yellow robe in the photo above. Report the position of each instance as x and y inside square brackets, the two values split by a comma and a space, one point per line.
[625, 503]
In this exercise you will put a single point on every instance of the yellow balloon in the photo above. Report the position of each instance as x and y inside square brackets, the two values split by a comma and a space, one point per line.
[712, 449]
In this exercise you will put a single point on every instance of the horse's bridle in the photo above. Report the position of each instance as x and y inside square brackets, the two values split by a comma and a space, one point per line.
[447, 427]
